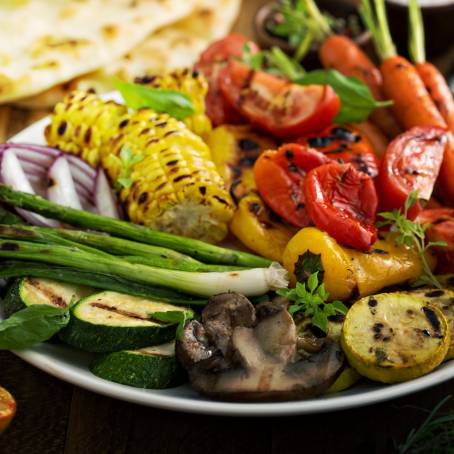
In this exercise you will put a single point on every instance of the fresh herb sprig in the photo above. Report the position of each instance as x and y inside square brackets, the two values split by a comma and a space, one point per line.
[174, 317]
[126, 160]
[435, 434]
[311, 298]
[412, 234]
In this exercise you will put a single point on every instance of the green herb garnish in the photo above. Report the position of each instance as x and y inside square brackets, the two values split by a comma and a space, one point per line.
[174, 317]
[311, 298]
[434, 435]
[126, 160]
[174, 103]
[357, 101]
[412, 234]
[29, 326]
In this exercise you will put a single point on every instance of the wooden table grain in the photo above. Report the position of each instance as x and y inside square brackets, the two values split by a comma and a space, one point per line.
[54, 417]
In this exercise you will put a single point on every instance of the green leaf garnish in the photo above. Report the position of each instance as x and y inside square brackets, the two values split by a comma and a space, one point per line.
[172, 102]
[311, 298]
[411, 234]
[174, 317]
[357, 101]
[35, 323]
[308, 264]
[126, 160]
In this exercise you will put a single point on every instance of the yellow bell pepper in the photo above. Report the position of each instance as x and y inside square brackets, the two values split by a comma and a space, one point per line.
[350, 273]
[252, 225]
[234, 149]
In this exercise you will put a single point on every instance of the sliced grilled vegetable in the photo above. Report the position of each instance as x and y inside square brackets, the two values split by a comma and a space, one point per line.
[234, 149]
[348, 272]
[253, 225]
[345, 144]
[347, 378]
[62, 189]
[28, 291]
[7, 409]
[279, 175]
[411, 163]
[150, 367]
[342, 201]
[443, 299]
[109, 321]
[394, 337]
[276, 105]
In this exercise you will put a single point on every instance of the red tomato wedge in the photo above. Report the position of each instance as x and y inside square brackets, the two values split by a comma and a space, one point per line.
[441, 228]
[210, 64]
[345, 144]
[343, 202]
[275, 104]
[411, 163]
[279, 176]
[7, 408]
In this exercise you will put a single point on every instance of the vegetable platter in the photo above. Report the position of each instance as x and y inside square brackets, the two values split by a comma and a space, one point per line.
[332, 188]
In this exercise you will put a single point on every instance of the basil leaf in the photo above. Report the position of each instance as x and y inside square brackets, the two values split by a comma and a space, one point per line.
[36, 323]
[174, 103]
[357, 101]
[173, 317]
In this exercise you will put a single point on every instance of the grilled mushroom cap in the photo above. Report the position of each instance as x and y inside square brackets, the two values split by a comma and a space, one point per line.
[239, 352]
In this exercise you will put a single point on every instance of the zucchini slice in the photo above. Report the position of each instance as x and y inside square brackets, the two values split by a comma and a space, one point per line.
[394, 337]
[110, 322]
[444, 300]
[151, 367]
[29, 290]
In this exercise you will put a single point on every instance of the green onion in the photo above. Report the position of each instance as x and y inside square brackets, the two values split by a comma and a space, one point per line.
[248, 282]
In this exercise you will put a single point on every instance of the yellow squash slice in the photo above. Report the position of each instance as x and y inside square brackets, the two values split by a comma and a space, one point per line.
[394, 337]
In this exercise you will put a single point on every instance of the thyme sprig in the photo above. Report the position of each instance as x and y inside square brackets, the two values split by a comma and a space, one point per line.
[412, 234]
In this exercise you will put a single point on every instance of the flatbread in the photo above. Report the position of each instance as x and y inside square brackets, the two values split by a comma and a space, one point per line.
[47, 42]
[176, 45]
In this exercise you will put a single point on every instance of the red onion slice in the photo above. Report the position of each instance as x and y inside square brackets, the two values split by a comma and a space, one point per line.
[13, 175]
[105, 199]
[62, 189]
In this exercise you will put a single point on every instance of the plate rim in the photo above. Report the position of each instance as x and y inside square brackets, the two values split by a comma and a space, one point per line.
[336, 402]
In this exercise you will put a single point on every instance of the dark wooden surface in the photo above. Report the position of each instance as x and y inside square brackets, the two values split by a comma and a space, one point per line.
[55, 417]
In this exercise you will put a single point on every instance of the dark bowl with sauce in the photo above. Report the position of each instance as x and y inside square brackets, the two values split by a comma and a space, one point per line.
[337, 8]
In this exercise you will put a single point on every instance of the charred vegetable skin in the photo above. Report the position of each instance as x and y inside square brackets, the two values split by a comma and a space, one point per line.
[191, 84]
[235, 345]
[394, 337]
[175, 187]
[345, 144]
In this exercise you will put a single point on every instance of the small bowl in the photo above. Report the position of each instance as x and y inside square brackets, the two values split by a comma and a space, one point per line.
[336, 8]
[438, 24]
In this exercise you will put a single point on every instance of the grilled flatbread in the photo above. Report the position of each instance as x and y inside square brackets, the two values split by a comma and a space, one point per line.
[176, 45]
[47, 42]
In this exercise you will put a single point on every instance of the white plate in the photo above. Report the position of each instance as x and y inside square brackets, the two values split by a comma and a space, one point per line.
[72, 366]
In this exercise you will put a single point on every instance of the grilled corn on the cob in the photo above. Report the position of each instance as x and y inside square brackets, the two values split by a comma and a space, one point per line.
[191, 84]
[175, 186]
[82, 123]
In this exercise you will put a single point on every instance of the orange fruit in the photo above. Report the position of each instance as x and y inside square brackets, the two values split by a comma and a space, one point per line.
[7, 408]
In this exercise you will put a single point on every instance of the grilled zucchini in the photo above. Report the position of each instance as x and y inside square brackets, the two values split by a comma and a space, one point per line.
[29, 290]
[151, 367]
[394, 337]
[109, 322]
[444, 300]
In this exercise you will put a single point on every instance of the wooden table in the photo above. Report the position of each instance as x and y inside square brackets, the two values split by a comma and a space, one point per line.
[55, 417]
